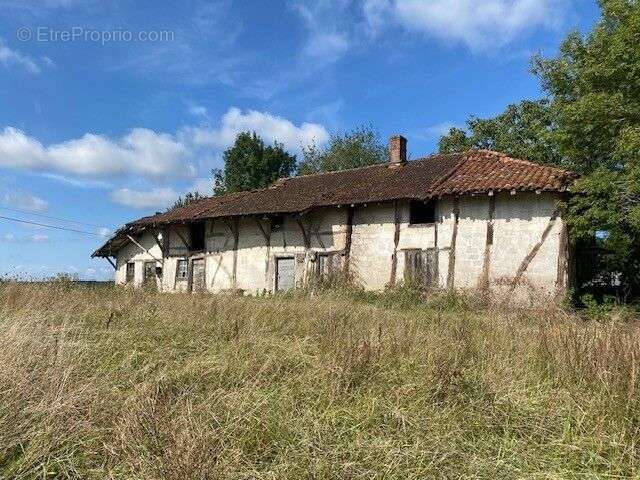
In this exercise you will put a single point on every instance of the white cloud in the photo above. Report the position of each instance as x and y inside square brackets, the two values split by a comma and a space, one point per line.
[140, 152]
[329, 36]
[23, 200]
[326, 46]
[477, 24]
[39, 238]
[158, 198]
[270, 127]
[198, 110]
[33, 238]
[155, 198]
[204, 186]
[14, 58]
[437, 130]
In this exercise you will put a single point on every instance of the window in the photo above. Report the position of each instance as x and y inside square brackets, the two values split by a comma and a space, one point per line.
[276, 223]
[422, 213]
[182, 270]
[197, 236]
[131, 272]
[149, 272]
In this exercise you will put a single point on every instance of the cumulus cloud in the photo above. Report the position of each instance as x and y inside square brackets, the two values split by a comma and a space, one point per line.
[13, 58]
[23, 200]
[270, 127]
[146, 154]
[145, 199]
[140, 152]
[477, 24]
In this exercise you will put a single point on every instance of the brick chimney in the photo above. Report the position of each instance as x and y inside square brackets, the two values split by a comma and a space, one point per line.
[397, 150]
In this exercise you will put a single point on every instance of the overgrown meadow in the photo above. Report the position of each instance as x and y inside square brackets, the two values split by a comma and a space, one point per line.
[110, 383]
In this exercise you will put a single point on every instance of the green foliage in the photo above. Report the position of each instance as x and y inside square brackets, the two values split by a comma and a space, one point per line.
[359, 147]
[188, 198]
[523, 130]
[250, 164]
[590, 123]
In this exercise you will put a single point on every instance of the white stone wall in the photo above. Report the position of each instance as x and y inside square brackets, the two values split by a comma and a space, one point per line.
[133, 253]
[518, 224]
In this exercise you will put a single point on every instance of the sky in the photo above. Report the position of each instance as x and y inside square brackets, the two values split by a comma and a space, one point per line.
[111, 110]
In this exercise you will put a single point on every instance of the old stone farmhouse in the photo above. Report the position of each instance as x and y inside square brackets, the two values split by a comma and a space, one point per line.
[478, 219]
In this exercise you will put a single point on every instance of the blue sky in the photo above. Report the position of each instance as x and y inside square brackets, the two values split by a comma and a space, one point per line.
[110, 110]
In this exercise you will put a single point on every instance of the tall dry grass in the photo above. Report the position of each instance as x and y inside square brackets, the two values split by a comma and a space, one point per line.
[109, 383]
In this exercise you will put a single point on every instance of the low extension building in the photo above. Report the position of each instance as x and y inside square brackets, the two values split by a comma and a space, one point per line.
[478, 219]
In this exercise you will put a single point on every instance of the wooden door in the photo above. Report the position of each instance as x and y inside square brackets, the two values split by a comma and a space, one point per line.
[285, 274]
[198, 277]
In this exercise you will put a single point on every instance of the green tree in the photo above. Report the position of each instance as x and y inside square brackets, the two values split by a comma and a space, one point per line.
[355, 148]
[595, 86]
[188, 198]
[250, 164]
[589, 123]
[523, 130]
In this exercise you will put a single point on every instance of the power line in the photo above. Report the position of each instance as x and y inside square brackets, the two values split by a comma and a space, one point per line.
[20, 220]
[26, 212]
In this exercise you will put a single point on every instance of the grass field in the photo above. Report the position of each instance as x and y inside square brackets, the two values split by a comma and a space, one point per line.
[106, 383]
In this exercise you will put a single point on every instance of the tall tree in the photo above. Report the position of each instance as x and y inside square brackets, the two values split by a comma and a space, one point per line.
[590, 123]
[595, 86]
[250, 164]
[355, 148]
[523, 130]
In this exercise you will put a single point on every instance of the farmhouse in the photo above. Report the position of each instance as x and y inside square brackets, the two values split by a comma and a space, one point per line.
[478, 219]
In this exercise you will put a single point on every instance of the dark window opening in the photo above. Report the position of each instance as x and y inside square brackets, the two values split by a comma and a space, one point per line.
[421, 212]
[197, 236]
[276, 223]
[131, 272]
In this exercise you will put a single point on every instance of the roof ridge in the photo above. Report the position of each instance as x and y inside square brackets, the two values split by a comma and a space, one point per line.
[509, 158]
[364, 167]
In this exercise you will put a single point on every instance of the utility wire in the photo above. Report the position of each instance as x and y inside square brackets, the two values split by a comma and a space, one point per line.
[26, 212]
[20, 220]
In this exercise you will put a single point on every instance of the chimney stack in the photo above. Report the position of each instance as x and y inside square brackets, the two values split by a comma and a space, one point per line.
[397, 150]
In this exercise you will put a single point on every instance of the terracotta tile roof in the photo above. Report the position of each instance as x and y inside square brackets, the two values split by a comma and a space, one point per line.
[486, 170]
[463, 173]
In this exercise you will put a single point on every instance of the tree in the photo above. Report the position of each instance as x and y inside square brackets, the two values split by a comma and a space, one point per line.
[188, 198]
[355, 148]
[595, 86]
[590, 123]
[250, 164]
[523, 130]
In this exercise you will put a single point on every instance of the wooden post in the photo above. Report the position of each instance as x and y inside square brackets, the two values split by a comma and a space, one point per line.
[532, 254]
[396, 240]
[305, 235]
[267, 240]
[348, 238]
[562, 260]
[486, 265]
[235, 226]
[184, 240]
[111, 262]
[451, 274]
[143, 249]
